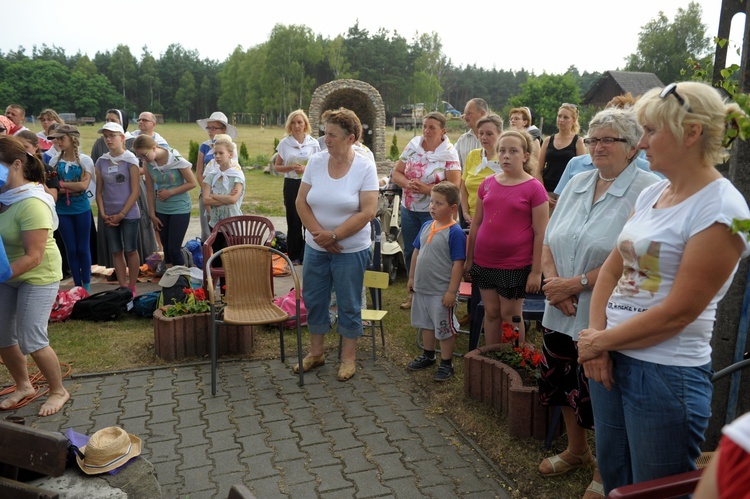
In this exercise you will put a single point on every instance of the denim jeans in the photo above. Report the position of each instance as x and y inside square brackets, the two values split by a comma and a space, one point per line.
[411, 222]
[346, 272]
[651, 423]
[123, 237]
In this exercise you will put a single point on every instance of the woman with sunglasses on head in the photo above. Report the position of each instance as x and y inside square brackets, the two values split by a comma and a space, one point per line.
[579, 237]
[559, 148]
[647, 348]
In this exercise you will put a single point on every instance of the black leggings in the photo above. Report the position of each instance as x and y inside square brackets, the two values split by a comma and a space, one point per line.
[173, 229]
[295, 239]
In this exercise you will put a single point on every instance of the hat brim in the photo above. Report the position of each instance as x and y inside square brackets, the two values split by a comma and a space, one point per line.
[135, 451]
[231, 130]
[102, 130]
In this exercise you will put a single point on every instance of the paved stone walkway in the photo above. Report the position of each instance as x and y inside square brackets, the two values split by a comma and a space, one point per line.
[369, 437]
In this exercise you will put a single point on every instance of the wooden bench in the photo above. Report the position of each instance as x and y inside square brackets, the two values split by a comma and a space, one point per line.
[35, 450]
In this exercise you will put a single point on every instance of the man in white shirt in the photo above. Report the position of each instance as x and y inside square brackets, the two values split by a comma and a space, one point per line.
[146, 126]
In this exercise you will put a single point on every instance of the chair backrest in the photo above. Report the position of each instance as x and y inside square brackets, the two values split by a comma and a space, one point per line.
[246, 275]
[242, 229]
[246, 229]
[378, 281]
[375, 279]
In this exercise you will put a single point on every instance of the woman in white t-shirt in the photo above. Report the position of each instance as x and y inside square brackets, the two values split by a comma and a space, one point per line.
[295, 150]
[336, 201]
[647, 349]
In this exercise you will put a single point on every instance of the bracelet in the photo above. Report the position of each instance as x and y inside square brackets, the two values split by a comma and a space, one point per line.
[121, 213]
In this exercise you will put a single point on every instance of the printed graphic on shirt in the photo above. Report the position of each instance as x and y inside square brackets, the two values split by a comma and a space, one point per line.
[640, 271]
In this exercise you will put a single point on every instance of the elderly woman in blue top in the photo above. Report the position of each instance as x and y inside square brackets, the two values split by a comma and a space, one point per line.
[169, 180]
[647, 350]
[580, 235]
[336, 201]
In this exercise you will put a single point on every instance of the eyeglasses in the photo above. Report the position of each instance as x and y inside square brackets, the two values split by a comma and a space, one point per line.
[214, 128]
[605, 141]
[568, 104]
[147, 121]
[671, 89]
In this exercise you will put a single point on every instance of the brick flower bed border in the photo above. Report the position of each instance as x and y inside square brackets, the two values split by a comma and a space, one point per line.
[176, 338]
[497, 384]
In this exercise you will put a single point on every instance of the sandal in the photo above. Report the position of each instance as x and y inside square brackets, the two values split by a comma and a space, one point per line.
[595, 488]
[347, 370]
[561, 466]
[406, 305]
[311, 362]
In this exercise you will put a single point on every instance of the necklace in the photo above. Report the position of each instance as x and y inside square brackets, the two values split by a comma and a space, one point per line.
[607, 179]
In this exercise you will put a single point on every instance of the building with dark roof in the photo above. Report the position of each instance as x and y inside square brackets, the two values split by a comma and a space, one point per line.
[614, 83]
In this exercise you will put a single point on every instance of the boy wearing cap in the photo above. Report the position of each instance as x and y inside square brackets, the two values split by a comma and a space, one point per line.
[117, 190]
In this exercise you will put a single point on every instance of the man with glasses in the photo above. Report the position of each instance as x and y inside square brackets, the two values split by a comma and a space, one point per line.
[146, 126]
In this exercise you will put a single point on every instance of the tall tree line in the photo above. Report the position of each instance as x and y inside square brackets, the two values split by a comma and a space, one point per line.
[280, 75]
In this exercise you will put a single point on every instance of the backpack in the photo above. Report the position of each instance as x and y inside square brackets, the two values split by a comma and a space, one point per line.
[188, 257]
[145, 305]
[104, 306]
[279, 242]
[64, 302]
[195, 247]
[287, 304]
[175, 293]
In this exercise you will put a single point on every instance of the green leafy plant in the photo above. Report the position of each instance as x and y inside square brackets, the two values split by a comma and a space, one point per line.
[198, 305]
[244, 156]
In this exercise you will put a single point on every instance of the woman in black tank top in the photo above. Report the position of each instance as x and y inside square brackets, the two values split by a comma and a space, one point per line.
[560, 148]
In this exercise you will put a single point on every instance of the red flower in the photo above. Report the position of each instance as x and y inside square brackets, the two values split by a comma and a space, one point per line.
[200, 294]
[187, 291]
[509, 335]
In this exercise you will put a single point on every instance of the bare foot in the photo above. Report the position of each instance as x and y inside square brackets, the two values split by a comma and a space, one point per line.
[54, 402]
[15, 397]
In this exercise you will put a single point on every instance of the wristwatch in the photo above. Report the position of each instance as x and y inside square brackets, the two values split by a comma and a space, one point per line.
[584, 280]
[333, 236]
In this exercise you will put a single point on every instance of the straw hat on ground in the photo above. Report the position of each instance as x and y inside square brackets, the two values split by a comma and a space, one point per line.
[108, 448]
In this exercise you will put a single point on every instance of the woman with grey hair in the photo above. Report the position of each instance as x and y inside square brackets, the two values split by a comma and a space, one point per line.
[581, 233]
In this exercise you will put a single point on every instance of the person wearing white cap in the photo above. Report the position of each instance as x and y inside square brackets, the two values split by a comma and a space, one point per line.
[215, 124]
[117, 189]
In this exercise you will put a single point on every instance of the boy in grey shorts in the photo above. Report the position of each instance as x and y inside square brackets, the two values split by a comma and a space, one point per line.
[434, 278]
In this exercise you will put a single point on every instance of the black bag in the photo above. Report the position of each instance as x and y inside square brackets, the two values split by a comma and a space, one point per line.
[175, 293]
[279, 242]
[104, 306]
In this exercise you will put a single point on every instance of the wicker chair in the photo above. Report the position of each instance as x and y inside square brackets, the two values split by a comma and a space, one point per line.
[248, 297]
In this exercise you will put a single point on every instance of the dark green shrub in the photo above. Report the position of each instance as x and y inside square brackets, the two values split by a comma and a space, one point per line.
[275, 144]
[193, 155]
[394, 153]
[243, 154]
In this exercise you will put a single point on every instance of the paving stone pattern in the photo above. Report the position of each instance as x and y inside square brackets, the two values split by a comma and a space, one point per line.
[369, 437]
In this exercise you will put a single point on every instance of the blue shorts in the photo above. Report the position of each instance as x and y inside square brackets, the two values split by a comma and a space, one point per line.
[123, 237]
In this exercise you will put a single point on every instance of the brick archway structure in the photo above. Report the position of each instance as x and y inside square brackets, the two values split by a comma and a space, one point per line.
[360, 97]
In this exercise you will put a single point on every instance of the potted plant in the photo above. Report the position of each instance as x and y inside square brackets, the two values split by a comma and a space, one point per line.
[494, 375]
[184, 330]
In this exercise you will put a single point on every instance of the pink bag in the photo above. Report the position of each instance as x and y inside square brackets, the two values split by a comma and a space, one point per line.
[63, 306]
[287, 303]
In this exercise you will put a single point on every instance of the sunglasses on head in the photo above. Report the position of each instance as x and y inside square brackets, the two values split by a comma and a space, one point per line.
[671, 89]
[2, 129]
